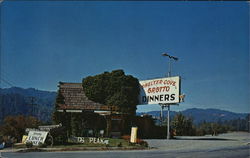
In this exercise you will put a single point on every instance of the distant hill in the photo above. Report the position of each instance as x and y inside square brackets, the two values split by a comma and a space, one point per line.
[213, 115]
[200, 115]
[16, 101]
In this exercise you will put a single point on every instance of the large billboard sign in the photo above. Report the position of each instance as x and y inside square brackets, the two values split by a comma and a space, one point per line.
[160, 91]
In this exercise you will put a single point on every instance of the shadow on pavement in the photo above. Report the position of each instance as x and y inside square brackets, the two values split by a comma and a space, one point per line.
[220, 139]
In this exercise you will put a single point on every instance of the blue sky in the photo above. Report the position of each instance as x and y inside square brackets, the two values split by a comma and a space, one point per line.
[47, 42]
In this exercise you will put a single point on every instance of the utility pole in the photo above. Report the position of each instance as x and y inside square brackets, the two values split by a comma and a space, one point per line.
[161, 114]
[32, 104]
[168, 105]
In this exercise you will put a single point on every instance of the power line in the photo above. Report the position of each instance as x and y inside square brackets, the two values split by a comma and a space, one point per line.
[32, 104]
[7, 82]
[7, 74]
[7, 77]
[1, 23]
[4, 84]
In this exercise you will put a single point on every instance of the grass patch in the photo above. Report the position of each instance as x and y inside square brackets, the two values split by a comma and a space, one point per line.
[112, 143]
[19, 146]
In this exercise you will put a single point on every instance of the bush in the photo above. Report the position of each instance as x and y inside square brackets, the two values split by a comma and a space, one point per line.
[42, 145]
[142, 142]
[14, 126]
[126, 137]
[138, 141]
[107, 145]
[29, 144]
[119, 145]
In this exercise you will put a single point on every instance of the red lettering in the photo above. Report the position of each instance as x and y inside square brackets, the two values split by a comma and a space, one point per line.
[155, 82]
[158, 89]
[160, 82]
[169, 82]
[153, 90]
[167, 88]
[165, 82]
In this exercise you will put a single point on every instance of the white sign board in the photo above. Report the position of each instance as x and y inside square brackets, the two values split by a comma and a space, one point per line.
[36, 137]
[90, 140]
[161, 90]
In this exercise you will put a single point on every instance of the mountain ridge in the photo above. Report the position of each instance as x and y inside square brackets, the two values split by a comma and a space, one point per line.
[30, 101]
[16, 100]
[199, 115]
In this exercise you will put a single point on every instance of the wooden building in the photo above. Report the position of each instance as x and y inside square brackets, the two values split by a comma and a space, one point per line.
[75, 101]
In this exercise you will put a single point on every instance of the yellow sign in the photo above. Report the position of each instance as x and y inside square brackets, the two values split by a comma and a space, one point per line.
[24, 139]
[133, 134]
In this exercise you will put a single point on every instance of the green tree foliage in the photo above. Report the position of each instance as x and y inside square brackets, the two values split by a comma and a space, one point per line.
[212, 128]
[59, 136]
[239, 124]
[247, 123]
[113, 88]
[76, 124]
[14, 126]
[182, 125]
[59, 99]
[80, 122]
[61, 118]
[147, 128]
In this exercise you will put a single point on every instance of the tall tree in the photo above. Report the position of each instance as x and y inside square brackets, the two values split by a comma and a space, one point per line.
[183, 125]
[15, 126]
[114, 89]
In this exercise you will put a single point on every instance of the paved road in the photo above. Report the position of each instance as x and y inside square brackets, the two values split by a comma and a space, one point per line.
[232, 145]
[242, 152]
[224, 141]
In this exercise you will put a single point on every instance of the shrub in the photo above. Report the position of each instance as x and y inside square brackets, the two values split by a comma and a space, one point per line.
[141, 142]
[119, 145]
[42, 145]
[29, 144]
[144, 143]
[126, 137]
[138, 141]
[107, 145]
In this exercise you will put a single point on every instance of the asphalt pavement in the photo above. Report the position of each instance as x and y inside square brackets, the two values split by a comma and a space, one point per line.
[231, 145]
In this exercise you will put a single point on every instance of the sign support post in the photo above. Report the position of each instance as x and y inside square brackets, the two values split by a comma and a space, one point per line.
[162, 91]
[161, 115]
[169, 75]
[168, 118]
[168, 134]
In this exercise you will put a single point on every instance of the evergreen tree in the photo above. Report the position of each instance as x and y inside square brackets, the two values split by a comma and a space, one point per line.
[15, 126]
[183, 125]
[114, 89]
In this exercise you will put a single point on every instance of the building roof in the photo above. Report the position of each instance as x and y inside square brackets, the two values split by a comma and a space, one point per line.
[75, 99]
